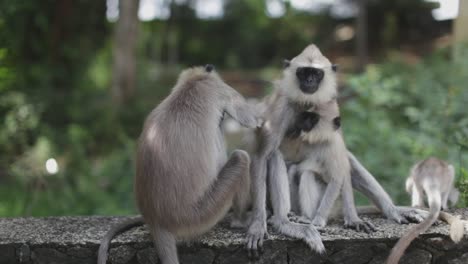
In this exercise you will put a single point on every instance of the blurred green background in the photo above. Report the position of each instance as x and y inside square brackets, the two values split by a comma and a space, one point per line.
[77, 79]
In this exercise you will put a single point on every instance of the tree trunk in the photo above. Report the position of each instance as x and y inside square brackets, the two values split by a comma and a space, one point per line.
[361, 35]
[125, 42]
[460, 32]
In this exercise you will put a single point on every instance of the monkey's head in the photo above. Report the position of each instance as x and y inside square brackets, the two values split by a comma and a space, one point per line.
[309, 77]
[198, 73]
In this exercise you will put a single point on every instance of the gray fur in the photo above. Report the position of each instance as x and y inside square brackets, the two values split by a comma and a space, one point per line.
[184, 182]
[267, 162]
[433, 177]
[321, 152]
[280, 110]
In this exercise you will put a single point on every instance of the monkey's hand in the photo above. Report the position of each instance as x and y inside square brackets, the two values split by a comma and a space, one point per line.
[299, 218]
[360, 225]
[255, 235]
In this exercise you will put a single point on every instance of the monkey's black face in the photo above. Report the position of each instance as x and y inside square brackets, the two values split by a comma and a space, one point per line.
[304, 122]
[309, 79]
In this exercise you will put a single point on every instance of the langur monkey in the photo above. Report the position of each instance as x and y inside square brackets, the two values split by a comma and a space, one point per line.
[433, 177]
[316, 147]
[308, 80]
[184, 182]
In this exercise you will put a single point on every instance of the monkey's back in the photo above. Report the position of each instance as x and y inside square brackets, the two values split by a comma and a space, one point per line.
[179, 153]
[430, 173]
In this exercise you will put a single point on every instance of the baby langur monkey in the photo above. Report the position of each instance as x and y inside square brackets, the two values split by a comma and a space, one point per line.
[322, 170]
[184, 182]
[433, 177]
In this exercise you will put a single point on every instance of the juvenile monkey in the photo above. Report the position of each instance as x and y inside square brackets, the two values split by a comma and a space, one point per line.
[308, 80]
[318, 151]
[434, 177]
[184, 182]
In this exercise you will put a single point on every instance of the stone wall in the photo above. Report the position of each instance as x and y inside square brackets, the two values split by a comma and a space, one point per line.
[69, 240]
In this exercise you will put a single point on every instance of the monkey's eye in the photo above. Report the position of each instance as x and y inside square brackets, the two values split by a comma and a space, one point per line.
[335, 67]
[286, 63]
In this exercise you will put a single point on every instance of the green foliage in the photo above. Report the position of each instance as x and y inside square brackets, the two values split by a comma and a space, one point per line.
[82, 186]
[463, 186]
[404, 113]
[55, 78]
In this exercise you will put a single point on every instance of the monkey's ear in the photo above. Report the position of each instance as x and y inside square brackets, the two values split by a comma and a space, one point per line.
[209, 67]
[286, 63]
[335, 67]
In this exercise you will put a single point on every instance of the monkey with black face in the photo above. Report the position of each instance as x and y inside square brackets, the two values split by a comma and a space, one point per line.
[433, 177]
[308, 80]
[184, 182]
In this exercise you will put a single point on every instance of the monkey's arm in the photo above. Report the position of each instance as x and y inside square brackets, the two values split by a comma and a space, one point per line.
[244, 113]
[365, 183]
[351, 217]
[269, 137]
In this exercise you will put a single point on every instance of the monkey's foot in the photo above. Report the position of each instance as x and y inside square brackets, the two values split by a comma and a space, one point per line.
[256, 233]
[360, 225]
[412, 214]
[319, 222]
[241, 222]
[238, 224]
[308, 233]
[293, 217]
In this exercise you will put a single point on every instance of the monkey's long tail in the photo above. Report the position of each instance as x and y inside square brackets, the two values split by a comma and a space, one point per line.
[119, 228]
[404, 242]
[457, 228]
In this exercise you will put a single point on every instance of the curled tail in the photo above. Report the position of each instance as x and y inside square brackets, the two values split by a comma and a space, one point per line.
[405, 241]
[457, 228]
[119, 228]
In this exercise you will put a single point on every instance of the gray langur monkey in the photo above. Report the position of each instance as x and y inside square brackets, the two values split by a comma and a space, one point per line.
[185, 182]
[316, 147]
[308, 80]
[434, 178]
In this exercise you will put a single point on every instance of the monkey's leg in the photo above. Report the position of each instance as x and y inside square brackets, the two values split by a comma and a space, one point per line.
[446, 193]
[351, 217]
[445, 196]
[417, 197]
[293, 179]
[310, 192]
[332, 192]
[240, 203]
[257, 230]
[365, 183]
[215, 202]
[206, 211]
[279, 193]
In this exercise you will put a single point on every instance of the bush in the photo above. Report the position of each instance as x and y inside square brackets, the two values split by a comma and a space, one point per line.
[403, 113]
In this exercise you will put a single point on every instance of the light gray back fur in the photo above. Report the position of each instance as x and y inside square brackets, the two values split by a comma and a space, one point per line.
[431, 174]
[434, 177]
